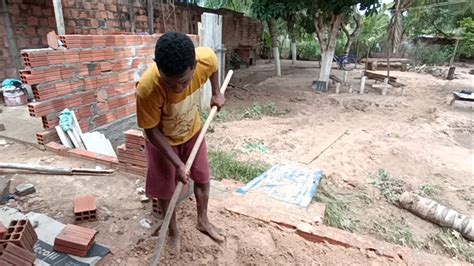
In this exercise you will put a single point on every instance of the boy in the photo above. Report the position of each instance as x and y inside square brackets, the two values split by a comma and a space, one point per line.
[167, 110]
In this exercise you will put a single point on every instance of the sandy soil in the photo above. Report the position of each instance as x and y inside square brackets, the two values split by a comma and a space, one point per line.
[416, 137]
[120, 212]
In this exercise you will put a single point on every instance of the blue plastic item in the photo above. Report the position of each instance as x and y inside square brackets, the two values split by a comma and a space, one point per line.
[286, 183]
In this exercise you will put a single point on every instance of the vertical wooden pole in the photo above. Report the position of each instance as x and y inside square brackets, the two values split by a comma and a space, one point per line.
[131, 13]
[362, 84]
[58, 14]
[11, 41]
[385, 87]
[151, 19]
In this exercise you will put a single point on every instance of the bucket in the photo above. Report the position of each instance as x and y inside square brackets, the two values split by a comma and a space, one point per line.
[14, 97]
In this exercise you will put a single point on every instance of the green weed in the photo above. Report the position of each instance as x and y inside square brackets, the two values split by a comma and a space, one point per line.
[389, 187]
[258, 147]
[224, 165]
[399, 234]
[336, 210]
[455, 245]
[428, 190]
[257, 111]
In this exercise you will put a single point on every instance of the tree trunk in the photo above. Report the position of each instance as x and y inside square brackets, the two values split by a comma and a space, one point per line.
[276, 52]
[291, 31]
[350, 36]
[327, 33]
[326, 63]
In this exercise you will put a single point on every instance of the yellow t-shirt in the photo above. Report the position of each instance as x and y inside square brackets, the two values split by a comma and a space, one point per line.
[175, 114]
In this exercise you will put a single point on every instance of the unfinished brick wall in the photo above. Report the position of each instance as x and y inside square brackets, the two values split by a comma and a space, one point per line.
[31, 21]
[94, 76]
[104, 17]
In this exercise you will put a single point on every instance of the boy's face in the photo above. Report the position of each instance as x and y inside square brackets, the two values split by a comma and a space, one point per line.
[178, 83]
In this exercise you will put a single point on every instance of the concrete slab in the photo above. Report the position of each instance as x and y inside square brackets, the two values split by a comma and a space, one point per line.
[19, 124]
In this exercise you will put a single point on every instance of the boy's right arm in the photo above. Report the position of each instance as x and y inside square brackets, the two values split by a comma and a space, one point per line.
[158, 139]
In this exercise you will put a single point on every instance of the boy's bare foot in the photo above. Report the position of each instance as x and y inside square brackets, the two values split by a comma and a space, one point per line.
[175, 244]
[210, 230]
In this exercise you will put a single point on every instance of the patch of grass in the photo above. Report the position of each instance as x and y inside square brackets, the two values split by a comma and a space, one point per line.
[455, 245]
[336, 210]
[403, 235]
[222, 116]
[428, 190]
[224, 165]
[259, 147]
[257, 111]
[390, 187]
[399, 234]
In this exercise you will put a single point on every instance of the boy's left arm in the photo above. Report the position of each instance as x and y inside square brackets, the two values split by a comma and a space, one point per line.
[218, 98]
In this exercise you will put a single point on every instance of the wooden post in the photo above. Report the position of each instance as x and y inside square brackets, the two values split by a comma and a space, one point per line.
[344, 78]
[58, 14]
[131, 13]
[362, 84]
[151, 19]
[385, 86]
[11, 41]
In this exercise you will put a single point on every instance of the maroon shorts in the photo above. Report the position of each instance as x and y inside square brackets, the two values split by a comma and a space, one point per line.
[161, 174]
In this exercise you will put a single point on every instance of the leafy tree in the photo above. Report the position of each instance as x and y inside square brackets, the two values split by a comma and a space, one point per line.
[242, 6]
[328, 17]
[467, 45]
[374, 29]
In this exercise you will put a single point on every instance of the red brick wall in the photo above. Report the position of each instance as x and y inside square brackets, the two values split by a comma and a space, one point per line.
[94, 76]
[103, 17]
[31, 21]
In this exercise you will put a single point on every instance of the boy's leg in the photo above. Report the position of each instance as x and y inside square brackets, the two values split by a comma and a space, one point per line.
[201, 177]
[173, 231]
[201, 191]
[160, 184]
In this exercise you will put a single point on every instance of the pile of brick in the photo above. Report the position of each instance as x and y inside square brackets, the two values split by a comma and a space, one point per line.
[75, 240]
[131, 154]
[92, 74]
[85, 208]
[17, 242]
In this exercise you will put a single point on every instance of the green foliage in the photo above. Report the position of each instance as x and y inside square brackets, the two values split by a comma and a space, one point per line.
[275, 9]
[431, 54]
[399, 233]
[337, 210]
[259, 147]
[428, 190]
[374, 29]
[257, 111]
[309, 49]
[235, 5]
[224, 166]
[389, 187]
[455, 245]
[467, 44]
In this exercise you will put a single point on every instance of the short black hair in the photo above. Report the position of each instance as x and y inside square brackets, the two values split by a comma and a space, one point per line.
[174, 53]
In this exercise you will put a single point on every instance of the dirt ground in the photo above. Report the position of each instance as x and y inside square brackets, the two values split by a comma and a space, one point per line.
[120, 212]
[416, 137]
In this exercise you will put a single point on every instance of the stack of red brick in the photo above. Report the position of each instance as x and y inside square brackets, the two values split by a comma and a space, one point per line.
[131, 155]
[16, 244]
[93, 75]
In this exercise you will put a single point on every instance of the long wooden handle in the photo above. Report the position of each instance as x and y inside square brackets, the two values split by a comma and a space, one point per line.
[174, 199]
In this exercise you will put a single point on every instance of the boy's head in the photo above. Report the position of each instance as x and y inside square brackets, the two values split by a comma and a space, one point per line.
[176, 58]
